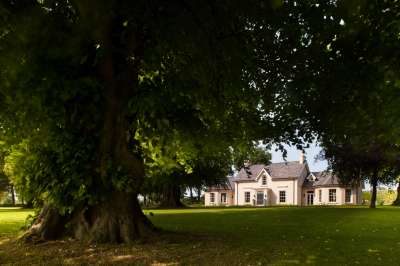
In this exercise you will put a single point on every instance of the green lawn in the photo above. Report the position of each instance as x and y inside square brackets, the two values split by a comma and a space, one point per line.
[12, 220]
[277, 236]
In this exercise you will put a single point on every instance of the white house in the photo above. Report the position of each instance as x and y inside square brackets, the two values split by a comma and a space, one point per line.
[286, 183]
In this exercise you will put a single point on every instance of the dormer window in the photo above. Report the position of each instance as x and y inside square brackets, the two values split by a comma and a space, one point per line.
[264, 180]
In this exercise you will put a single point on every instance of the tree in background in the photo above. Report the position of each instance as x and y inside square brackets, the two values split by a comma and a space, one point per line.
[349, 95]
[183, 163]
[4, 181]
[354, 164]
[7, 187]
[19, 167]
[396, 202]
[4, 186]
[252, 154]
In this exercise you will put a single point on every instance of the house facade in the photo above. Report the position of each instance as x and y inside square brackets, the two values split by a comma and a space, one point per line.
[286, 183]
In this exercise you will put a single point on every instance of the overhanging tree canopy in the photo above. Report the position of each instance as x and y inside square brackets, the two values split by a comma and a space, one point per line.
[86, 81]
[353, 100]
[90, 84]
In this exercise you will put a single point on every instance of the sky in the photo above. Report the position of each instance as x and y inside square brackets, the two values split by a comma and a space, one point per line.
[293, 154]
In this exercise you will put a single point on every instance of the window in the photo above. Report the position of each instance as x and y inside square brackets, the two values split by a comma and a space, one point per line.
[223, 197]
[282, 196]
[320, 195]
[247, 197]
[348, 196]
[212, 197]
[332, 195]
[264, 180]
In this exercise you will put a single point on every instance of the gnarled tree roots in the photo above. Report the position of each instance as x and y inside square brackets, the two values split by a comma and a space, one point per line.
[119, 220]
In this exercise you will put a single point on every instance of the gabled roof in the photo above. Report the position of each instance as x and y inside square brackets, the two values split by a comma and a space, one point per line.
[249, 173]
[275, 170]
[323, 179]
[223, 184]
[286, 169]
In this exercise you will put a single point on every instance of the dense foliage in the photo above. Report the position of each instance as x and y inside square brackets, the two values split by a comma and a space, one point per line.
[353, 104]
[93, 97]
[251, 155]
[97, 96]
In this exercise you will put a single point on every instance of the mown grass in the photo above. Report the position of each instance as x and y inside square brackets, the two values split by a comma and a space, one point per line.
[236, 236]
[12, 220]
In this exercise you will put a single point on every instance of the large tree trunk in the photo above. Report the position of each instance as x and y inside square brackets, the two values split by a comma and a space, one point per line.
[191, 194]
[397, 201]
[171, 196]
[118, 220]
[374, 184]
[118, 217]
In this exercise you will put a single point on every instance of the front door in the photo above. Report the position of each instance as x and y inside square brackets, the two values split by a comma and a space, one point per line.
[310, 198]
[260, 198]
[223, 198]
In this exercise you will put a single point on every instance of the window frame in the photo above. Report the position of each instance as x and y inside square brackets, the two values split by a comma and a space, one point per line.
[282, 196]
[320, 195]
[332, 195]
[212, 197]
[264, 180]
[247, 197]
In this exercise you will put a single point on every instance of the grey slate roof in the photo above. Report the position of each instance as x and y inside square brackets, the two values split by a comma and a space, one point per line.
[326, 179]
[275, 170]
[323, 179]
[282, 170]
[286, 169]
[249, 173]
[224, 184]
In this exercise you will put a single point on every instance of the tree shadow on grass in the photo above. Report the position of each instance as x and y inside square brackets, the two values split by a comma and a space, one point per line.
[165, 248]
[250, 237]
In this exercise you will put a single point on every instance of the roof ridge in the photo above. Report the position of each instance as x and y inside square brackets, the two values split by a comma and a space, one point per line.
[286, 162]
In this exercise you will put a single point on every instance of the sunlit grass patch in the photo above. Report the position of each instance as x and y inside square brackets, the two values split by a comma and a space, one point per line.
[12, 220]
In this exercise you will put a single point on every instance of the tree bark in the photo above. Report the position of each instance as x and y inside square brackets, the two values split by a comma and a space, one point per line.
[12, 191]
[191, 194]
[49, 225]
[118, 220]
[171, 197]
[374, 184]
[397, 201]
[199, 193]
